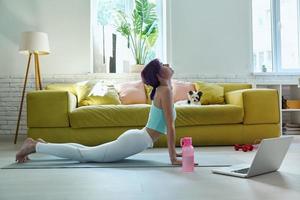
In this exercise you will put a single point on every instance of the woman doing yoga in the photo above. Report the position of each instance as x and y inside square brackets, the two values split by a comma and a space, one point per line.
[160, 121]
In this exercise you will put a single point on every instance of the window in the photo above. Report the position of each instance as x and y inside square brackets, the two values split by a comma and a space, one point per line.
[289, 34]
[275, 26]
[112, 52]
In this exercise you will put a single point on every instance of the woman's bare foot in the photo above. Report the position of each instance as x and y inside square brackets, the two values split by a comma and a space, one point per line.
[38, 140]
[27, 148]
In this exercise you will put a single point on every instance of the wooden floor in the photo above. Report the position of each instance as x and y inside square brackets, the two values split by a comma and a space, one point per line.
[147, 183]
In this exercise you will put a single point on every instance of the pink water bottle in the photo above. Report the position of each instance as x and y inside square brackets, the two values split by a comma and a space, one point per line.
[187, 154]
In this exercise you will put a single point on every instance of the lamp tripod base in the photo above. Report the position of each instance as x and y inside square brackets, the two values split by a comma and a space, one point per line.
[38, 86]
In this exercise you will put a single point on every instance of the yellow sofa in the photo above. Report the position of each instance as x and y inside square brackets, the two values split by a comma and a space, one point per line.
[248, 114]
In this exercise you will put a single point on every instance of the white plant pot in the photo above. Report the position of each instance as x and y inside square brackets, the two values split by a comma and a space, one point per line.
[136, 68]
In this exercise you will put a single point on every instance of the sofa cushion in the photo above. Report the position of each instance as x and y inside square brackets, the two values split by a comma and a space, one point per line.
[62, 87]
[109, 97]
[137, 115]
[83, 88]
[228, 87]
[132, 92]
[212, 93]
[96, 93]
[188, 115]
[148, 90]
[109, 116]
[181, 89]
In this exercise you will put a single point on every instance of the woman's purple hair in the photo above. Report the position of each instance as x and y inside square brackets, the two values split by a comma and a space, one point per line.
[149, 75]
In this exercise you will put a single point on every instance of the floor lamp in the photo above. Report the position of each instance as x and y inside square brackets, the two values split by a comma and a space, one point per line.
[32, 43]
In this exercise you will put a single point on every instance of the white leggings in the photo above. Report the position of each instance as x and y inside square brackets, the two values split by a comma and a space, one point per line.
[129, 143]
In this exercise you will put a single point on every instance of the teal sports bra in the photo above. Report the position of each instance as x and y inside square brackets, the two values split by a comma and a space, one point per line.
[156, 119]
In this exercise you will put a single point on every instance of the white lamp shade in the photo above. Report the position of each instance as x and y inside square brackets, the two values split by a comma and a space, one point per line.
[34, 42]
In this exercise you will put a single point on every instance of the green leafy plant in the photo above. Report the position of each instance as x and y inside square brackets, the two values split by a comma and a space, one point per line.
[140, 29]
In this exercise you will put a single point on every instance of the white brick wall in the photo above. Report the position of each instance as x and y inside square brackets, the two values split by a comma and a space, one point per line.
[11, 90]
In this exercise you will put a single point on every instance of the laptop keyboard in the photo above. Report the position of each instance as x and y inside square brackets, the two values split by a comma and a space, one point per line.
[242, 171]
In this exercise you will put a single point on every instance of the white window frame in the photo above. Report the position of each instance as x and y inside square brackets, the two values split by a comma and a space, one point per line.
[161, 6]
[276, 42]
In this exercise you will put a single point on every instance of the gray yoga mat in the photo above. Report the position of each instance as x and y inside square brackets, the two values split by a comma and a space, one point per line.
[41, 161]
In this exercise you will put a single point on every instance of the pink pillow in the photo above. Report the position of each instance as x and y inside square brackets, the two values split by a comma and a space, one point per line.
[180, 90]
[132, 92]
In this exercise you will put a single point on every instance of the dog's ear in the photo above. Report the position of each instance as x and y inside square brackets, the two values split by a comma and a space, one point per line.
[200, 93]
[190, 92]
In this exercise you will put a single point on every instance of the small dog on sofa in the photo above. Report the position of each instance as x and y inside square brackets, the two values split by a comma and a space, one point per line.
[194, 98]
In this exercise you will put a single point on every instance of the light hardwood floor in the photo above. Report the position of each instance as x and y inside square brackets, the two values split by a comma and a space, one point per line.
[147, 183]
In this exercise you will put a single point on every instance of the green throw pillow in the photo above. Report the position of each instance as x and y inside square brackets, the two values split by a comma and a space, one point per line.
[148, 89]
[96, 93]
[212, 93]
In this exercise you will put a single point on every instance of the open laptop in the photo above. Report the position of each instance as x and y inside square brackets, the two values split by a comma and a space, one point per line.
[268, 158]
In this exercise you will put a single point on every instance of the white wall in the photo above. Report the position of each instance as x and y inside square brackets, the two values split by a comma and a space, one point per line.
[68, 28]
[210, 36]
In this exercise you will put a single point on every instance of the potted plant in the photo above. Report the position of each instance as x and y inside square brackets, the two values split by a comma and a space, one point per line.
[140, 29]
[264, 68]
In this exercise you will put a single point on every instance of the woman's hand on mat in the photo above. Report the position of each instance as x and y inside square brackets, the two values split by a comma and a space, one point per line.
[178, 154]
[25, 159]
[175, 161]
[179, 162]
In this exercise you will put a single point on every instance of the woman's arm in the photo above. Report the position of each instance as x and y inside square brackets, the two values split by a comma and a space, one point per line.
[167, 105]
